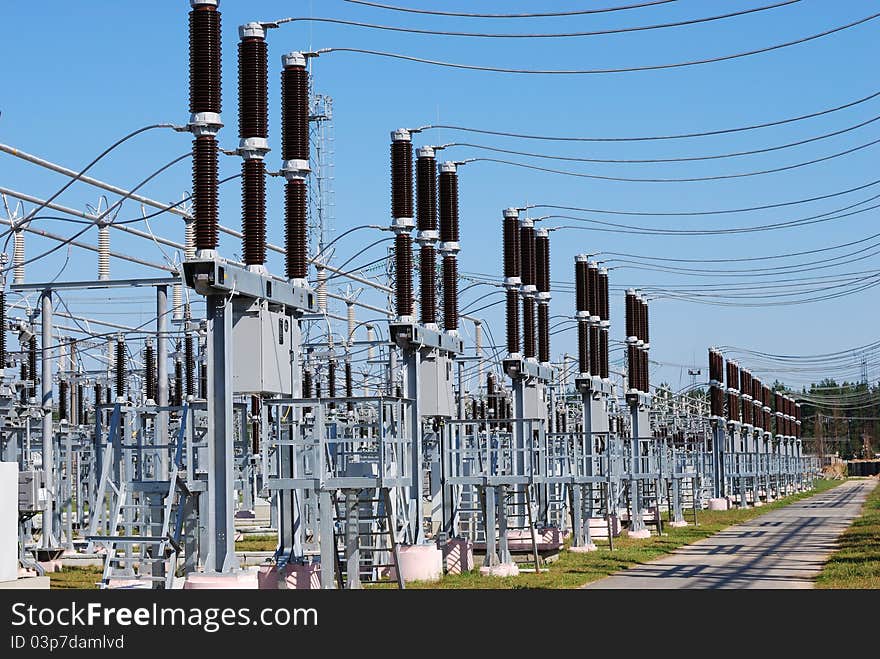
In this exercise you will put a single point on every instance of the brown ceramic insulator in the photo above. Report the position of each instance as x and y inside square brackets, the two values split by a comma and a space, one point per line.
[528, 327]
[150, 372]
[23, 397]
[318, 389]
[62, 400]
[646, 373]
[512, 317]
[584, 347]
[593, 291]
[255, 425]
[307, 384]
[646, 336]
[204, 59]
[450, 293]
[80, 405]
[331, 381]
[403, 274]
[746, 412]
[716, 401]
[253, 211]
[448, 197]
[177, 397]
[629, 315]
[511, 247]
[253, 88]
[189, 363]
[98, 390]
[295, 113]
[542, 263]
[428, 284]
[632, 371]
[203, 381]
[732, 406]
[296, 230]
[581, 286]
[120, 368]
[595, 351]
[426, 193]
[205, 191]
[32, 364]
[602, 280]
[401, 179]
[543, 333]
[527, 255]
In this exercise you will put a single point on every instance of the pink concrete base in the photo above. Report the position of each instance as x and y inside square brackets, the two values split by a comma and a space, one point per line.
[502, 570]
[51, 566]
[521, 539]
[583, 549]
[599, 527]
[458, 556]
[678, 525]
[758, 504]
[719, 504]
[296, 577]
[213, 581]
[420, 563]
[639, 535]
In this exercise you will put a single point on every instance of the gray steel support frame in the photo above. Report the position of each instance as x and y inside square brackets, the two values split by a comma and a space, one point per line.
[220, 550]
[719, 437]
[412, 361]
[49, 532]
[640, 424]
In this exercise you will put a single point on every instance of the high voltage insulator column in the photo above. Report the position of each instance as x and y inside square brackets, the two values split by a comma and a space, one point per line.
[542, 283]
[589, 385]
[427, 236]
[734, 425]
[425, 350]
[639, 400]
[767, 436]
[717, 420]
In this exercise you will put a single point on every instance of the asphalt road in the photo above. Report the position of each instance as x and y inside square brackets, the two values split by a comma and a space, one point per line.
[785, 548]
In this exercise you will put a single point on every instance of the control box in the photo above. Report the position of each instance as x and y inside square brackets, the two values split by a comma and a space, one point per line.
[262, 340]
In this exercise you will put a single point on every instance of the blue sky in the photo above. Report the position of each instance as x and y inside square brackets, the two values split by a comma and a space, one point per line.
[79, 75]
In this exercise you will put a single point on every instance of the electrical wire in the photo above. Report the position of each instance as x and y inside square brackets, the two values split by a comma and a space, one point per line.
[552, 35]
[578, 12]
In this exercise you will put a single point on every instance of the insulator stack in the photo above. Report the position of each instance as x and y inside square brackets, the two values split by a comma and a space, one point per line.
[331, 381]
[632, 358]
[103, 252]
[318, 389]
[491, 396]
[120, 368]
[604, 321]
[177, 395]
[426, 214]
[512, 317]
[295, 153]
[349, 387]
[253, 211]
[733, 408]
[449, 245]
[205, 199]
[529, 290]
[62, 400]
[32, 366]
[255, 425]
[2, 329]
[582, 297]
[203, 381]
[307, 383]
[542, 283]
[150, 372]
[18, 256]
[512, 279]
[80, 405]
[797, 420]
[98, 393]
[189, 363]
[402, 220]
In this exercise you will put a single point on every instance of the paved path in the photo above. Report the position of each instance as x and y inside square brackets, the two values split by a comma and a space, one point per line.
[784, 548]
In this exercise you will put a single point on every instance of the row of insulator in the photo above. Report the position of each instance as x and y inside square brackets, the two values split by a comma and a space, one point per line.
[295, 147]
[636, 312]
[253, 130]
[527, 274]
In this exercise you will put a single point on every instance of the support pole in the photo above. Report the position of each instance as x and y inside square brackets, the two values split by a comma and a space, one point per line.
[49, 537]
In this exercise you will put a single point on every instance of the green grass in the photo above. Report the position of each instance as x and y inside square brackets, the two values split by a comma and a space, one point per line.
[257, 543]
[79, 578]
[575, 570]
[856, 563]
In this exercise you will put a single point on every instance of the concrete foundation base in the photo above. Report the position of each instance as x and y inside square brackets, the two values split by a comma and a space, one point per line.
[295, 577]
[758, 504]
[26, 583]
[639, 535]
[719, 503]
[678, 524]
[583, 549]
[458, 556]
[420, 562]
[244, 580]
[501, 570]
